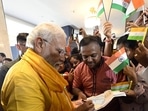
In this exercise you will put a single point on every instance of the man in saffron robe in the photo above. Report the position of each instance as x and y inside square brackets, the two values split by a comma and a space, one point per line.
[33, 84]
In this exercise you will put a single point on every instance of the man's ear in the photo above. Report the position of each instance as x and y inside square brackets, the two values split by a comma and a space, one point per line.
[18, 46]
[38, 44]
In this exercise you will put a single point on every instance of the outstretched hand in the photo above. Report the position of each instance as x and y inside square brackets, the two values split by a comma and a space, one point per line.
[130, 93]
[107, 27]
[81, 95]
[131, 25]
[82, 32]
[85, 106]
[141, 55]
[130, 71]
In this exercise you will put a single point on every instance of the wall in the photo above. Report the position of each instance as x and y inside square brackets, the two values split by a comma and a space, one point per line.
[4, 40]
[15, 26]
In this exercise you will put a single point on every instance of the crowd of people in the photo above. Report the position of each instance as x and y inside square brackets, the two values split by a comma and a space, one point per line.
[49, 75]
[4, 59]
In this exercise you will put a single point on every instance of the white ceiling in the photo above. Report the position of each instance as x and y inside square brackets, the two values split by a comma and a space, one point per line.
[62, 12]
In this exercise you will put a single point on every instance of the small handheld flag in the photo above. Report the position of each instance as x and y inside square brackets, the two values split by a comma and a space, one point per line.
[100, 9]
[121, 86]
[138, 34]
[133, 6]
[120, 5]
[118, 61]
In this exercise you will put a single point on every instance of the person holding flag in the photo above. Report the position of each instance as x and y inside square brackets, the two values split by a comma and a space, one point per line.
[142, 20]
[137, 95]
[142, 56]
[93, 76]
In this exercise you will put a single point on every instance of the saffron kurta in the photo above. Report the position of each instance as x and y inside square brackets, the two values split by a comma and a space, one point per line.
[33, 85]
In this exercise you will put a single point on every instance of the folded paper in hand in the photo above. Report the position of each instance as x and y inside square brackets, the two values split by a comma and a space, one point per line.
[100, 101]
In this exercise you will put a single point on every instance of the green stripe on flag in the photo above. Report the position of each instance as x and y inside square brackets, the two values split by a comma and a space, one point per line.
[135, 38]
[100, 12]
[121, 66]
[118, 7]
[120, 88]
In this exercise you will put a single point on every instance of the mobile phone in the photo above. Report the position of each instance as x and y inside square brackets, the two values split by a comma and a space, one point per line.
[96, 30]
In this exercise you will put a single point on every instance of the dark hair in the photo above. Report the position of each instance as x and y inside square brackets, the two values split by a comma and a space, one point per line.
[75, 51]
[76, 54]
[8, 59]
[91, 39]
[132, 44]
[2, 54]
[21, 37]
[67, 66]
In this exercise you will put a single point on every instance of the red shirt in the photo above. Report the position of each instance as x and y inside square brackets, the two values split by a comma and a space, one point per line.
[94, 83]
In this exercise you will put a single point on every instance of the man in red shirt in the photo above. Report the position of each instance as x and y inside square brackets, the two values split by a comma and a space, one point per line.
[93, 76]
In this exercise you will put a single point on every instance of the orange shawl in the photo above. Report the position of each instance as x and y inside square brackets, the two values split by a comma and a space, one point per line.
[56, 84]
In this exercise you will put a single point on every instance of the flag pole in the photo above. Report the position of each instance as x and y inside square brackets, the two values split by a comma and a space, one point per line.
[109, 11]
[104, 11]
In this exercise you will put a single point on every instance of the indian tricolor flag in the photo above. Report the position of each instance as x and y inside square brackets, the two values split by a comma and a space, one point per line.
[133, 6]
[118, 61]
[121, 86]
[120, 5]
[138, 33]
[100, 9]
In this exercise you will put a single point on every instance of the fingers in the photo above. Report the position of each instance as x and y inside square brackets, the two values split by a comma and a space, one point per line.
[107, 29]
[107, 25]
[139, 50]
[125, 70]
[132, 64]
[142, 47]
[86, 106]
[131, 24]
[130, 93]
[146, 12]
[81, 95]
[71, 71]
[92, 109]
[89, 105]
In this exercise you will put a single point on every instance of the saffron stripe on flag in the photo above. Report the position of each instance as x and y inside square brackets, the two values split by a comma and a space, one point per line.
[118, 61]
[114, 57]
[139, 29]
[133, 6]
[137, 33]
[138, 3]
[120, 86]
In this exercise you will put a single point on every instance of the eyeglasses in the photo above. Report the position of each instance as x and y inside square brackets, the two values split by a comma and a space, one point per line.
[60, 51]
